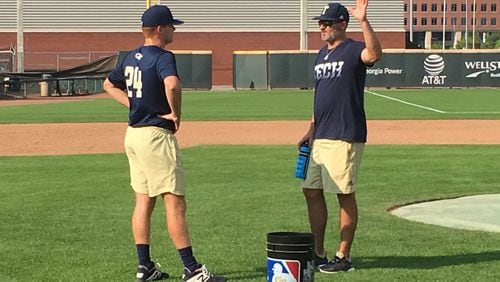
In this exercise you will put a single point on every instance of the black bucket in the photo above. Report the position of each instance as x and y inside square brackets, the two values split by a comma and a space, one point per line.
[290, 257]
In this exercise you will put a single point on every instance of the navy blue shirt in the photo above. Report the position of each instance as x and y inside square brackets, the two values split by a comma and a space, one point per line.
[339, 93]
[141, 75]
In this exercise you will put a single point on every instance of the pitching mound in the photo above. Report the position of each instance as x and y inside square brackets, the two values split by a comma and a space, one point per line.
[478, 212]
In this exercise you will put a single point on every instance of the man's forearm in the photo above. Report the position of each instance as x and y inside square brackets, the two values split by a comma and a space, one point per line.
[371, 41]
[116, 93]
[174, 98]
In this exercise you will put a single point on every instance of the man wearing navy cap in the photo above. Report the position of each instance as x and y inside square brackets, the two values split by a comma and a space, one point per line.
[338, 128]
[147, 83]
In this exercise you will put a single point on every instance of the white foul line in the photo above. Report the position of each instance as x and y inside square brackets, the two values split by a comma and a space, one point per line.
[407, 103]
[478, 113]
[432, 109]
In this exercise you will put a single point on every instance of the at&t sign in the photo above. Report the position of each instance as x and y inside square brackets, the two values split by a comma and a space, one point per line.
[434, 66]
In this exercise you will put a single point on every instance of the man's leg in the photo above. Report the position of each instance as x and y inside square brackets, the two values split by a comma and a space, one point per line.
[141, 227]
[141, 218]
[175, 208]
[344, 159]
[144, 205]
[318, 216]
[348, 222]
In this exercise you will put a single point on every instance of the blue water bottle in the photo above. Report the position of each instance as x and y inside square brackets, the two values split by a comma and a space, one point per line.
[302, 160]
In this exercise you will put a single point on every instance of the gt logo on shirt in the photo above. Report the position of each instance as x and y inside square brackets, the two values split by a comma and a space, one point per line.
[328, 70]
[134, 81]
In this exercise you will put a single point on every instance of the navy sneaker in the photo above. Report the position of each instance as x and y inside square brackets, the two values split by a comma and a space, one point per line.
[151, 273]
[337, 265]
[320, 261]
[202, 275]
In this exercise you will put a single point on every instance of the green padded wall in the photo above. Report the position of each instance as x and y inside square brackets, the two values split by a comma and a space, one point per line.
[250, 70]
[291, 69]
[194, 68]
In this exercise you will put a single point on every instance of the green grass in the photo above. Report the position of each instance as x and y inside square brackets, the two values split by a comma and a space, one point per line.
[276, 105]
[248, 105]
[433, 103]
[67, 218]
[97, 110]
[197, 105]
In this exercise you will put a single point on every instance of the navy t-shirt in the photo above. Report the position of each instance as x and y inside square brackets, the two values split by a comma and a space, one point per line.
[141, 75]
[339, 93]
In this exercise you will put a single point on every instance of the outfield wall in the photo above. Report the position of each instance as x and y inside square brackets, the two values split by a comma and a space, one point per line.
[398, 68]
[417, 68]
[194, 68]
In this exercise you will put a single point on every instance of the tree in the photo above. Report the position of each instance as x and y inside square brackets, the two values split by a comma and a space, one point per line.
[492, 41]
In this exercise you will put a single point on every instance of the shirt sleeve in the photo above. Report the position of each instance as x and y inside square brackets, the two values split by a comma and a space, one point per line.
[166, 65]
[117, 76]
[360, 46]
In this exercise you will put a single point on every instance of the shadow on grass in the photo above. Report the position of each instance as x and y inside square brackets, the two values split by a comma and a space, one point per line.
[402, 262]
[259, 273]
[423, 262]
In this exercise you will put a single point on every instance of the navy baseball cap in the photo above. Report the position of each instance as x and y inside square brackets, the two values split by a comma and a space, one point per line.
[333, 12]
[158, 15]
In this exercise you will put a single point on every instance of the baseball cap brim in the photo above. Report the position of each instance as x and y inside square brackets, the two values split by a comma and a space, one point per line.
[326, 18]
[177, 22]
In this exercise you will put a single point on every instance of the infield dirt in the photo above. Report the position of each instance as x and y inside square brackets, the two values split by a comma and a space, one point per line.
[83, 138]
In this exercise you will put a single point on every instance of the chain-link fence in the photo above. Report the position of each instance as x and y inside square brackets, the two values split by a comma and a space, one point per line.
[57, 61]
[58, 74]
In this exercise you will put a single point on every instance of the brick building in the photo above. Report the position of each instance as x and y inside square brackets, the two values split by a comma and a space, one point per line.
[461, 17]
[60, 34]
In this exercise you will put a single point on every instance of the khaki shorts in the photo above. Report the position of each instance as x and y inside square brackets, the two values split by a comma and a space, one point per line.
[334, 166]
[155, 161]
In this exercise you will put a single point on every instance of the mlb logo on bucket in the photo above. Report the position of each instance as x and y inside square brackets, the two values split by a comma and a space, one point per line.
[281, 270]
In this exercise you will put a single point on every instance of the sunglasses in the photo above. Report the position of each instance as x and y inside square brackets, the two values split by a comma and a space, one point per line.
[327, 23]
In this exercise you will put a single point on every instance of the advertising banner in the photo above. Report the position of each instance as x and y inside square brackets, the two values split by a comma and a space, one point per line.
[435, 70]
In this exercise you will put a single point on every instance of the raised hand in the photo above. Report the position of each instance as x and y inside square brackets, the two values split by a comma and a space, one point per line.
[359, 12]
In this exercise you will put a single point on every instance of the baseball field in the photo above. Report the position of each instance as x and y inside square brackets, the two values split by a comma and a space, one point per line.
[66, 201]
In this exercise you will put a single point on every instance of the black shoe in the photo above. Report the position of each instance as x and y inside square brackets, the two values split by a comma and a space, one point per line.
[202, 275]
[320, 261]
[145, 273]
[337, 265]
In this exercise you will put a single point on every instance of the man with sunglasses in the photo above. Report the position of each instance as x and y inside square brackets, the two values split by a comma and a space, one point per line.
[338, 128]
[147, 83]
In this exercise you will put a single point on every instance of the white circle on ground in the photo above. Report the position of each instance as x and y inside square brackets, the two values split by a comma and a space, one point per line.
[479, 212]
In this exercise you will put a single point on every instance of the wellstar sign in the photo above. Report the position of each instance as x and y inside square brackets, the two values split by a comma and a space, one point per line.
[483, 67]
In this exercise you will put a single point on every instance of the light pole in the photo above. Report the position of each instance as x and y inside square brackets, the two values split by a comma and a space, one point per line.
[411, 20]
[466, 25]
[303, 25]
[20, 37]
[474, 25]
[444, 23]
[148, 3]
